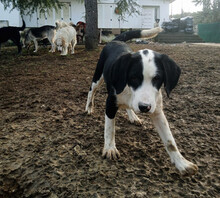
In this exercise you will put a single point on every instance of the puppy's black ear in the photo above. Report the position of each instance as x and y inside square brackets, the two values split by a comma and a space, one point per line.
[171, 73]
[120, 72]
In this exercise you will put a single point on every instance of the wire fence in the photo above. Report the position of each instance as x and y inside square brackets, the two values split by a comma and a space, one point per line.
[209, 32]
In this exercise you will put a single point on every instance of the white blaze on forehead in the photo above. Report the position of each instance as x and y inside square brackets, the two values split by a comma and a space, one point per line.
[149, 67]
[146, 93]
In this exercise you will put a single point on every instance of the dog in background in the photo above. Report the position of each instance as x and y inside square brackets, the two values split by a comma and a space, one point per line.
[80, 31]
[40, 33]
[65, 37]
[12, 33]
[133, 81]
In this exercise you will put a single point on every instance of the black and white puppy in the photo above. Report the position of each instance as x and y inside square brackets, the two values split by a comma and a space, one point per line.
[12, 33]
[40, 33]
[133, 81]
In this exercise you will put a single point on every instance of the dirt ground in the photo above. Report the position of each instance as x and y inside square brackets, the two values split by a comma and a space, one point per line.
[49, 147]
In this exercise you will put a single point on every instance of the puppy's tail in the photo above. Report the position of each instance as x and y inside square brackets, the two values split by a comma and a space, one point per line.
[23, 26]
[126, 36]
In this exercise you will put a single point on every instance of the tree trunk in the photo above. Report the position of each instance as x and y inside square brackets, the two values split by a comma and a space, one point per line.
[91, 37]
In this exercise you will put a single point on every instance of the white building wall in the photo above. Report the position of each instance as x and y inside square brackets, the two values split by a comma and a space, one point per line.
[107, 18]
[133, 21]
[31, 21]
[78, 12]
[163, 6]
[13, 17]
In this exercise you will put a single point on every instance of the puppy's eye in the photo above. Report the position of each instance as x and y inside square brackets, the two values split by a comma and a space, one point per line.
[156, 78]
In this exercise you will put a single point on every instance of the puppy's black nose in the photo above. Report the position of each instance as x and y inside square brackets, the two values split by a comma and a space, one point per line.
[144, 107]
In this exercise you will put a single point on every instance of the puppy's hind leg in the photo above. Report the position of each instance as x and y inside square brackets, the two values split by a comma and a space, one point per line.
[133, 117]
[96, 82]
[91, 95]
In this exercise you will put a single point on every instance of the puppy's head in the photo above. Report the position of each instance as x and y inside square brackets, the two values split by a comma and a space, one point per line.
[144, 73]
[60, 43]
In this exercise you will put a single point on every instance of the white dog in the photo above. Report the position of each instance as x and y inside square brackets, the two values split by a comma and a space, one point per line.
[65, 37]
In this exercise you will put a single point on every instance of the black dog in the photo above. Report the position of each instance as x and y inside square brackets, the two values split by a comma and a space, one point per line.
[12, 33]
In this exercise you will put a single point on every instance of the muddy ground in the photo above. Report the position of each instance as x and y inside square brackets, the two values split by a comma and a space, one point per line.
[49, 147]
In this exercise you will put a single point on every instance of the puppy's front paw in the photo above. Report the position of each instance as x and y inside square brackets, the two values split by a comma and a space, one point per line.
[136, 121]
[133, 118]
[187, 168]
[112, 153]
[190, 170]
